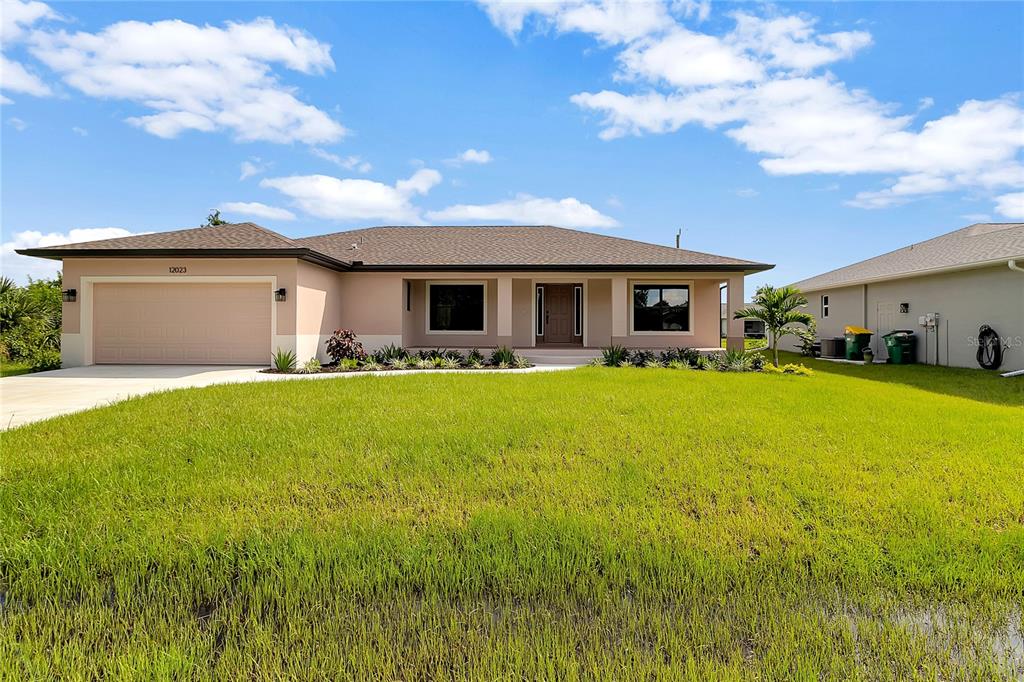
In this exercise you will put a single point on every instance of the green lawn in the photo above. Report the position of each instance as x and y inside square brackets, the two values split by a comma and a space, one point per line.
[10, 369]
[601, 523]
[750, 344]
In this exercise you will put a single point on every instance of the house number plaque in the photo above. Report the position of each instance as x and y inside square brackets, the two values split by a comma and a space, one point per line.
[177, 269]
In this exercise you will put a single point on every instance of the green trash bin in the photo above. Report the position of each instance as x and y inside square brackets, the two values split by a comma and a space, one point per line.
[902, 346]
[856, 341]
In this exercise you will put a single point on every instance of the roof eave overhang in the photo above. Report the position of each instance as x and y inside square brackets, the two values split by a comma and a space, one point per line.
[908, 275]
[308, 255]
[748, 268]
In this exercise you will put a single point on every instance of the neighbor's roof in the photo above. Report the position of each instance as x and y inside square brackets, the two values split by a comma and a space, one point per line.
[973, 246]
[411, 248]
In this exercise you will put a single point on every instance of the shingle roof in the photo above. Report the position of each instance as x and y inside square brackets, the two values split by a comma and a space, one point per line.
[504, 245]
[227, 236]
[509, 247]
[973, 245]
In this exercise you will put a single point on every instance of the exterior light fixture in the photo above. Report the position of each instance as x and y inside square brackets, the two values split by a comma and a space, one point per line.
[69, 295]
[280, 294]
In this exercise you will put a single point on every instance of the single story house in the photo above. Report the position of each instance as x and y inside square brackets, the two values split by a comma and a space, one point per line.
[944, 289]
[233, 294]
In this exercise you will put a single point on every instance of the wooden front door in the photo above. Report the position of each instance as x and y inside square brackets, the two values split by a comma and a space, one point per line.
[559, 314]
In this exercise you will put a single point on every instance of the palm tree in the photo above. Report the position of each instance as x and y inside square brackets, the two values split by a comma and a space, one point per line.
[778, 309]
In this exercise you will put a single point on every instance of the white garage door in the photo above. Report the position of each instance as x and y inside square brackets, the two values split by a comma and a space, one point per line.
[181, 324]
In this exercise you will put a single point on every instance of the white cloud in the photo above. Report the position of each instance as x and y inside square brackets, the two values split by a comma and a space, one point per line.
[1011, 205]
[758, 83]
[479, 156]
[685, 58]
[977, 217]
[80, 131]
[333, 198]
[347, 162]
[527, 210]
[790, 42]
[746, 193]
[252, 166]
[20, 268]
[611, 21]
[17, 123]
[16, 18]
[201, 78]
[691, 9]
[14, 77]
[256, 209]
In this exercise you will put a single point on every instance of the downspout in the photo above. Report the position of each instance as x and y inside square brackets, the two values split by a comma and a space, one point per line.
[1013, 265]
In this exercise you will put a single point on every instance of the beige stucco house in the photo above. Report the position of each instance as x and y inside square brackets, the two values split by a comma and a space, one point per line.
[943, 289]
[232, 294]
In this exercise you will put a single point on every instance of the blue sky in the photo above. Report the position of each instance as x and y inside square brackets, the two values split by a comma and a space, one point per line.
[806, 135]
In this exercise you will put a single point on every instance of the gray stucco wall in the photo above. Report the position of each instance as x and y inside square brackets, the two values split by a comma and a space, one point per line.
[964, 301]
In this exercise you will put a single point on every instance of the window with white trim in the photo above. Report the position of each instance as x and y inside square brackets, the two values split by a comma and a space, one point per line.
[456, 307]
[824, 305]
[661, 307]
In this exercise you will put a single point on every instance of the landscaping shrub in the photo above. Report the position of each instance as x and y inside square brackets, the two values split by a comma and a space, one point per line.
[503, 356]
[371, 365]
[615, 355]
[640, 358]
[435, 354]
[389, 353]
[45, 359]
[475, 357]
[284, 361]
[311, 366]
[791, 368]
[343, 346]
[30, 322]
[734, 361]
[705, 363]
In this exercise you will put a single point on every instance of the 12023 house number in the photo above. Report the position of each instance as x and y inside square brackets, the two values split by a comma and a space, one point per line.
[177, 269]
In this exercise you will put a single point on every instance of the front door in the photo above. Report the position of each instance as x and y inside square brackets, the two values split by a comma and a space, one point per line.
[559, 314]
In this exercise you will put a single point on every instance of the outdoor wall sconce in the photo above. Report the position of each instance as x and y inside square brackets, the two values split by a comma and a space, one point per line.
[279, 295]
[69, 295]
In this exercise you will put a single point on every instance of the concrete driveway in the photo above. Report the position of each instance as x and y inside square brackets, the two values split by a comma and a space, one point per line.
[31, 397]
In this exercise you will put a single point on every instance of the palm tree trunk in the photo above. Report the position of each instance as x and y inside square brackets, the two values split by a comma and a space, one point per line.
[775, 349]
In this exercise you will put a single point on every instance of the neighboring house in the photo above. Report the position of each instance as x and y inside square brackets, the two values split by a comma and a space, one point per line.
[752, 329]
[234, 293]
[943, 289]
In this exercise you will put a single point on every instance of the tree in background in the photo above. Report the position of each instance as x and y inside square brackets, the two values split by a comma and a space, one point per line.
[778, 309]
[30, 322]
[214, 219]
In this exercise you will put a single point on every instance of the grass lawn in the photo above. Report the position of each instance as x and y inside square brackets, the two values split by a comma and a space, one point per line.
[750, 344]
[601, 523]
[10, 369]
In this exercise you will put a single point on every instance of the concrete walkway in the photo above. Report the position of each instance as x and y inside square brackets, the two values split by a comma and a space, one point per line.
[31, 397]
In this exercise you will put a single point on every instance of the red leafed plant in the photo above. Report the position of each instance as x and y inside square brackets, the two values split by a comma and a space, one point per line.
[343, 345]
